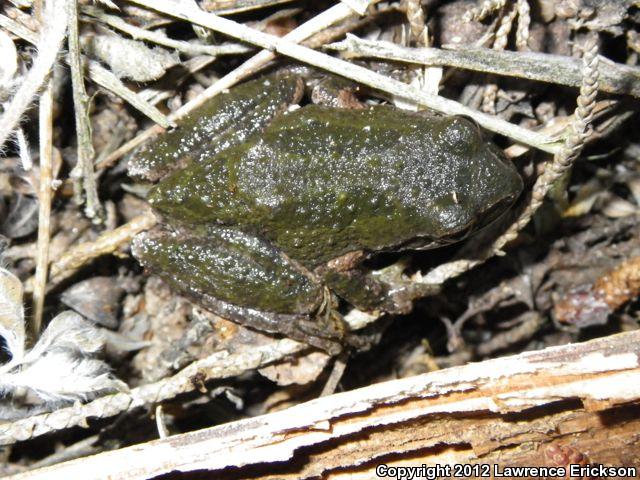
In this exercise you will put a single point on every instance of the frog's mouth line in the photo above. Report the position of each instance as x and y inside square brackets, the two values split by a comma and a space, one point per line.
[489, 217]
[494, 212]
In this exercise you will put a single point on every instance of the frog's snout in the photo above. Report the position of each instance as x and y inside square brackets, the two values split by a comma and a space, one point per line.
[503, 186]
[511, 180]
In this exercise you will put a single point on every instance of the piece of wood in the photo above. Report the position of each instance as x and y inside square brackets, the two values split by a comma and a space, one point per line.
[615, 77]
[517, 411]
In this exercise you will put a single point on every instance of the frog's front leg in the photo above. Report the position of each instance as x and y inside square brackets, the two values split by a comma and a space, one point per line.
[241, 278]
[386, 291]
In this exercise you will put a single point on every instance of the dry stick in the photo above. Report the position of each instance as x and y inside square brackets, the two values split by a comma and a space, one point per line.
[45, 195]
[557, 69]
[49, 44]
[138, 33]
[478, 413]
[333, 32]
[100, 75]
[529, 326]
[355, 72]
[106, 243]
[359, 6]
[218, 365]
[240, 6]
[560, 163]
[83, 174]
[106, 79]
[316, 24]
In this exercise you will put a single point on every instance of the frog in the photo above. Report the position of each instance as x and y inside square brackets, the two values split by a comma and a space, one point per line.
[268, 210]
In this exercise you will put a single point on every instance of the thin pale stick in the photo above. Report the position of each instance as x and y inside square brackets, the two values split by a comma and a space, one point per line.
[360, 74]
[49, 45]
[45, 195]
[83, 174]
[316, 24]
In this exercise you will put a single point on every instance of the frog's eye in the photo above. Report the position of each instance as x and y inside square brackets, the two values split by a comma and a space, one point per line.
[461, 134]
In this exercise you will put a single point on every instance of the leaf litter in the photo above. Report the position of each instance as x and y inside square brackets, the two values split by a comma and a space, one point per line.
[129, 341]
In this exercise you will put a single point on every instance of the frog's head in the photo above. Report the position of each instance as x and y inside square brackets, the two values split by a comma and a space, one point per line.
[479, 182]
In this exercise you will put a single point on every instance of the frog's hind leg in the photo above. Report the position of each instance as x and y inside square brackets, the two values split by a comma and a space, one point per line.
[241, 278]
[297, 327]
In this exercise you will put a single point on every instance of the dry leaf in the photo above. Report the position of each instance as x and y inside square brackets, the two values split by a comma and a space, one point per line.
[617, 207]
[97, 299]
[300, 370]
[130, 58]
[60, 368]
[22, 218]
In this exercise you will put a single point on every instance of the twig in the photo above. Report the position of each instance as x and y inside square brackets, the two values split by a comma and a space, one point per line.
[45, 195]
[529, 326]
[557, 69]
[360, 74]
[219, 365]
[560, 163]
[339, 366]
[83, 174]
[106, 243]
[189, 48]
[240, 6]
[99, 75]
[161, 425]
[359, 6]
[19, 30]
[316, 24]
[49, 44]
[156, 94]
[339, 30]
[108, 80]
[505, 411]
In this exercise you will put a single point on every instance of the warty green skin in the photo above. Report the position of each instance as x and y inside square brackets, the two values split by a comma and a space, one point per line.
[315, 184]
[224, 121]
[321, 182]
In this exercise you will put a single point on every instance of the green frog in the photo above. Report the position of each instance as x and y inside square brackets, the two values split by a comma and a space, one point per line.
[268, 210]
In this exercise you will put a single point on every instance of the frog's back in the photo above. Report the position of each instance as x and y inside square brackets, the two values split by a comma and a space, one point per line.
[320, 182]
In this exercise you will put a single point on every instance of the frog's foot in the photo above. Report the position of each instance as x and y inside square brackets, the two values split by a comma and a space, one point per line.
[298, 327]
[336, 92]
[242, 278]
[387, 291]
